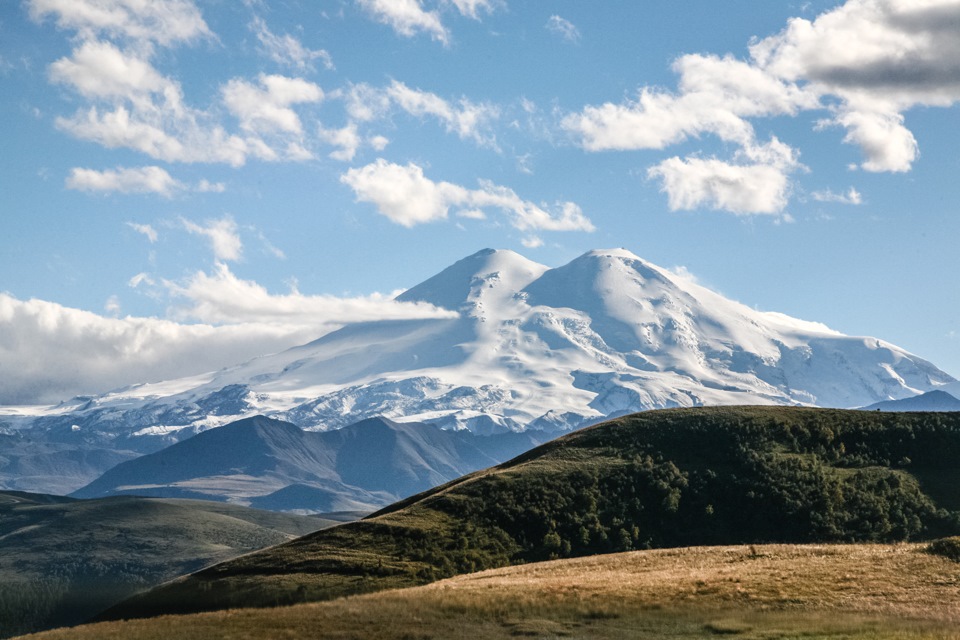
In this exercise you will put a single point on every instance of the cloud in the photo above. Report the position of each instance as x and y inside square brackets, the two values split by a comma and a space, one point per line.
[101, 70]
[716, 95]
[408, 18]
[221, 297]
[163, 22]
[758, 184]
[51, 352]
[135, 106]
[880, 59]
[851, 196]
[407, 197]
[287, 50]
[866, 62]
[164, 135]
[205, 186]
[365, 102]
[145, 229]
[887, 144]
[266, 108]
[563, 28]
[223, 236]
[468, 120]
[347, 139]
[472, 8]
[124, 180]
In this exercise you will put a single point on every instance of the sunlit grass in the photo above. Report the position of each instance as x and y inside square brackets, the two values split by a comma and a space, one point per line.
[861, 592]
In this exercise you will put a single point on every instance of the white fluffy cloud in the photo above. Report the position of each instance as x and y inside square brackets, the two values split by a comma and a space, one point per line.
[693, 183]
[881, 59]
[163, 22]
[223, 235]
[51, 352]
[887, 144]
[408, 17]
[124, 180]
[222, 297]
[134, 106]
[164, 134]
[346, 139]
[266, 108]
[101, 70]
[407, 197]
[287, 50]
[867, 62]
[715, 96]
[756, 183]
[563, 28]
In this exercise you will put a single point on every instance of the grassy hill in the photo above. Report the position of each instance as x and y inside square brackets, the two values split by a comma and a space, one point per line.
[64, 560]
[674, 478]
[841, 592]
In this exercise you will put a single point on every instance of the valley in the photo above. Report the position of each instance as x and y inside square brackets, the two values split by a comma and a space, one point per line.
[63, 560]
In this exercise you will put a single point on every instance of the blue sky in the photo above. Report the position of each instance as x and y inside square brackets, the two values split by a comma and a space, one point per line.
[188, 183]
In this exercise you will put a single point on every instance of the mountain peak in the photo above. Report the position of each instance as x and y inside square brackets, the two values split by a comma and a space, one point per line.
[494, 268]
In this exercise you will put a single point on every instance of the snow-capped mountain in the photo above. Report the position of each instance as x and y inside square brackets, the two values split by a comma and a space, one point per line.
[531, 347]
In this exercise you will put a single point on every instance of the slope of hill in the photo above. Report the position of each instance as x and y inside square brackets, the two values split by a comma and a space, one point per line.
[64, 560]
[525, 347]
[849, 592]
[671, 478]
[929, 401]
[276, 465]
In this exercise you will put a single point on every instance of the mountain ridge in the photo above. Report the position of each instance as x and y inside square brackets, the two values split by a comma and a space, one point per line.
[272, 464]
[526, 347]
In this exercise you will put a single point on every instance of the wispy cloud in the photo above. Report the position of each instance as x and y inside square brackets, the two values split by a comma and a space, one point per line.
[469, 120]
[147, 230]
[850, 196]
[142, 180]
[473, 8]
[407, 197]
[563, 28]
[124, 180]
[407, 18]
[223, 235]
[288, 50]
[164, 22]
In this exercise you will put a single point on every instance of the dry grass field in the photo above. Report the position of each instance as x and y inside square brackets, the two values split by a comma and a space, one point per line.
[750, 592]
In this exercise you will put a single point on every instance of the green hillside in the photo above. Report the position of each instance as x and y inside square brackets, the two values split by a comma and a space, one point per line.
[63, 560]
[680, 477]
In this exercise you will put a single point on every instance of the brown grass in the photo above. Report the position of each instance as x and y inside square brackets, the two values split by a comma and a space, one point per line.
[775, 591]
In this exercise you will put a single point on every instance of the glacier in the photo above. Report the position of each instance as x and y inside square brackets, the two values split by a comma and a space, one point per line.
[530, 347]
